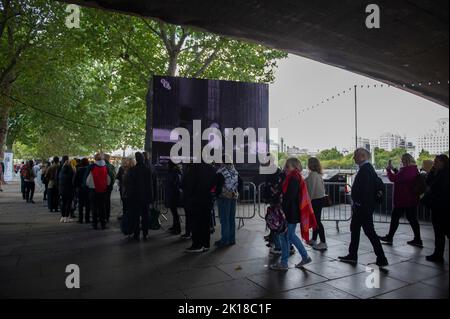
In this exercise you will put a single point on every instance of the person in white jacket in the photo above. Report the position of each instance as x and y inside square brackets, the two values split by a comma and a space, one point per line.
[316, 190]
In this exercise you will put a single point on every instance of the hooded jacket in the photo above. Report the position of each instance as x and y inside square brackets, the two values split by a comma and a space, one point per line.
[98, 178]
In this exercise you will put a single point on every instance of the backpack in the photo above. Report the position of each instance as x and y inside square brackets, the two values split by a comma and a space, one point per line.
[420, 185]
[379, 190]
[25, 172]
[275, 219]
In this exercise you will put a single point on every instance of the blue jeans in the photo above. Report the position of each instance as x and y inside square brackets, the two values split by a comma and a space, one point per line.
[276, 241]
[227, 215]
[286, 240]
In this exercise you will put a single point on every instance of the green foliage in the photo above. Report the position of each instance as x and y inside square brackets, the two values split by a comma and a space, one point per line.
[425, 156]
[84, 90]
[329, 155]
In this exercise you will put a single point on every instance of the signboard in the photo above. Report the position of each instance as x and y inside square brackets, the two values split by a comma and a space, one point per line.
[8, 173]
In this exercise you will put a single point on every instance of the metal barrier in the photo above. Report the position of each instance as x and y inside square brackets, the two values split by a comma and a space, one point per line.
[341, 208]
[339, 196]
[245, 208]
[384, 210]
[251, 203]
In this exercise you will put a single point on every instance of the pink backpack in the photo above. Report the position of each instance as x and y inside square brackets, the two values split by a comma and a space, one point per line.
[275, 219]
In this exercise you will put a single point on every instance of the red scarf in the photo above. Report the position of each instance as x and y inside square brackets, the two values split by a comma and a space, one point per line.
[307, 217]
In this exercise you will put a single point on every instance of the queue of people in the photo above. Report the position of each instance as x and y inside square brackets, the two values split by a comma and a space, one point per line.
[292, 199]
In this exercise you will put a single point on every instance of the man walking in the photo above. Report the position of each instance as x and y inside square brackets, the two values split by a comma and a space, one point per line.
[364, 197]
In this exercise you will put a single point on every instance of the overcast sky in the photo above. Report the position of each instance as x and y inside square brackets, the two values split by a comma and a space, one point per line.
[301, 83]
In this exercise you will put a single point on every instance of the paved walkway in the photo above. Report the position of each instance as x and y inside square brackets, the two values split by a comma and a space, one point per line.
[35, 250]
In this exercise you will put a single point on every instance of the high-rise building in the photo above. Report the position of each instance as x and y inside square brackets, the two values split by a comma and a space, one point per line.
[361, 142]
[436, 141]
[390, 141]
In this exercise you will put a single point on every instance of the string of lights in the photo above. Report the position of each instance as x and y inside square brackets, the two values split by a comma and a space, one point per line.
[326, 100]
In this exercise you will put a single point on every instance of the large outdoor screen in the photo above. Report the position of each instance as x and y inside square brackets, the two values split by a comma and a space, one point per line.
[224, 105]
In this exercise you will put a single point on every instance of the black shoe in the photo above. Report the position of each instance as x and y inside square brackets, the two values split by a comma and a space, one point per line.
[194, 250]
[95, 227]
[186, 236]
[103, 227]
[80, 222]
[144, 237]
[416, 243]
[175, 232]
[386, 239]
[348, 259]
[435, 258]
[136, 238]
[382, 262]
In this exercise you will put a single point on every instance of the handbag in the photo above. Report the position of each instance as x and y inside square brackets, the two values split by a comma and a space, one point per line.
[326, 201]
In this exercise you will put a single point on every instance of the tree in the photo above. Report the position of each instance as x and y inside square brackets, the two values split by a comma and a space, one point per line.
[31, 34]
[81, 90]
[331, 154]
[425, 156]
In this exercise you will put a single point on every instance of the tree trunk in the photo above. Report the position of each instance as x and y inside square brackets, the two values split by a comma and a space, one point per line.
[173, 63]
[149, 117]
[5, 107]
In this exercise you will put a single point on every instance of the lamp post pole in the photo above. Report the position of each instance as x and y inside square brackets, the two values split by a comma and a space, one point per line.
[356, 119]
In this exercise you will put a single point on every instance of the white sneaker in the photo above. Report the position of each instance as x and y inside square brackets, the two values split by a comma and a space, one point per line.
[71, 220]
[66, 219]
[321, 246]
[61, 220]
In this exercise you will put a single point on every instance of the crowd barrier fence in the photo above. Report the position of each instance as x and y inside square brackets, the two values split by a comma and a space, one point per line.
[251, 204]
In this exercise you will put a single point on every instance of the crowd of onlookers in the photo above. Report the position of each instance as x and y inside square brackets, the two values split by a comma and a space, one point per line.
[292, 200]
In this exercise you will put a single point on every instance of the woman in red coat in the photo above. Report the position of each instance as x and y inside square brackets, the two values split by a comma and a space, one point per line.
[406, 199]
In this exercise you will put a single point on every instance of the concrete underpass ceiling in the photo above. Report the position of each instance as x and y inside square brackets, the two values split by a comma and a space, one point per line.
[411, 47]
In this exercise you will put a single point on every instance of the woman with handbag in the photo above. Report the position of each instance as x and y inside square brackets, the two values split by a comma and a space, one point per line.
[227, 192]
[316, 190]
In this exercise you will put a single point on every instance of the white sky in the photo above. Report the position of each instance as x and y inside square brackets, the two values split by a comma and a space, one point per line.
[301, 83]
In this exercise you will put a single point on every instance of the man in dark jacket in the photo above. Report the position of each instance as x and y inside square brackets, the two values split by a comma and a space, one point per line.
[437, 199]
[172, 191]
[66, 176]
[83, 192]
[140, 195]
[364, 198]
[148, 163]
[112, 176]
[198, 187]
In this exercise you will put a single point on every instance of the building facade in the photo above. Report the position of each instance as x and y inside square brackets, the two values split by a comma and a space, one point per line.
[436, 141]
